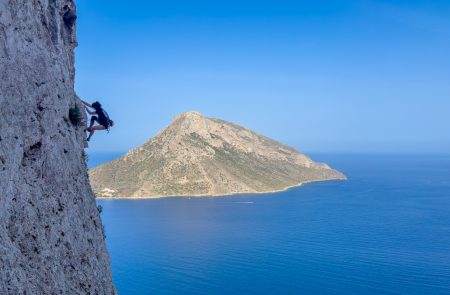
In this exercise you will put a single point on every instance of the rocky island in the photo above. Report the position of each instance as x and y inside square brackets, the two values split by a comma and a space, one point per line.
[200, 156]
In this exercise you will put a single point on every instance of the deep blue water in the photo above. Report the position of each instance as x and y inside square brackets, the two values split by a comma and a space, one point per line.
[385, 230]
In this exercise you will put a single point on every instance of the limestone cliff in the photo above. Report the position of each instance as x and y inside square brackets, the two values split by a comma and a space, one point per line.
[199, 156]
[51, 235]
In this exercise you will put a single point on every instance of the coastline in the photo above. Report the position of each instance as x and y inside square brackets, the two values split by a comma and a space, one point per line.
[219, 195]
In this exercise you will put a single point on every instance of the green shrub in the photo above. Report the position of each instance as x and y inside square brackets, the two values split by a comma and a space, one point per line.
[75, 115]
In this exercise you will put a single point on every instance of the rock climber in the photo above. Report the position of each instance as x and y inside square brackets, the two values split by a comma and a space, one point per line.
[100, 116]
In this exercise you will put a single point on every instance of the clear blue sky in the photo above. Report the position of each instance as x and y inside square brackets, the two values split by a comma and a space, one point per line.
[322, 76]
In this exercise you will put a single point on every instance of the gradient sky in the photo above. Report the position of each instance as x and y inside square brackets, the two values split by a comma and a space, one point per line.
[323, 76]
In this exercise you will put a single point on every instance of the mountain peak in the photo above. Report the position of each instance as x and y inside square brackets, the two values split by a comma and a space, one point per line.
[189, 116]
[187, 123]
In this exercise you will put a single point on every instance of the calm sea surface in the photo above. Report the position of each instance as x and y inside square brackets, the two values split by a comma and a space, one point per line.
[384, 231]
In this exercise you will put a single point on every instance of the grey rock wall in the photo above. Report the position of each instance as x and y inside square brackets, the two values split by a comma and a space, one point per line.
[51, 235]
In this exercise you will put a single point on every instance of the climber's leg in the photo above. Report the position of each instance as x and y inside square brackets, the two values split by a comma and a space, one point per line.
[93, 120]
[92, 130]
[98, 127]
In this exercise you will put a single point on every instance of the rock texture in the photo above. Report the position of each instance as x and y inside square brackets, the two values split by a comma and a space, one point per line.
[199, 156]
[51, 235]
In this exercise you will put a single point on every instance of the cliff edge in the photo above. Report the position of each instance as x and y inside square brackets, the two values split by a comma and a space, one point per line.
[51, 235]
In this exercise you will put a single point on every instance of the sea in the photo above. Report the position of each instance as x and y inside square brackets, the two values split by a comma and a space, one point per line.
[386, 230]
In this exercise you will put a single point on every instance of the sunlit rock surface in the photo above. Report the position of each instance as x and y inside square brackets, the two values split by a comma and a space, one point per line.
[51, 235]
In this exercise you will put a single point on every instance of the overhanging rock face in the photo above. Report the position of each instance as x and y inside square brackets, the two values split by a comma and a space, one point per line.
[51, 235]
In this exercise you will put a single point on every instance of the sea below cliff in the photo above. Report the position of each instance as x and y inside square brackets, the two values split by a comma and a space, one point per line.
[385, 230]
